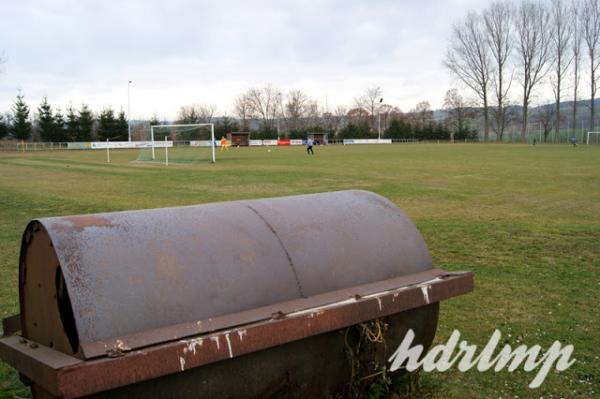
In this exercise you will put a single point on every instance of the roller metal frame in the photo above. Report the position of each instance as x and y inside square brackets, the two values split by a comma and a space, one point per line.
[139, 357]
[109, 306]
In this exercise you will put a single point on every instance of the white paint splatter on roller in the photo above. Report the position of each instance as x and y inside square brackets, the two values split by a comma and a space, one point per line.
[192, 345]
[425, 291]
[395, 291]
[122, 347]
[216, 340]
[241, 334]
[229, 345]
[181, 363]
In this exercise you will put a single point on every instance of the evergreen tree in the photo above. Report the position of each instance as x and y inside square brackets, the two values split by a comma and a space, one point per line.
[4, 127]
[355, 131]
[154, 121]
[399, 129]
[60, 134]
[45, 122]
[85, 123]
[122, 127]
[417, 131]
[107, 126]
[21, 125]
[225, 125]
[71, 125]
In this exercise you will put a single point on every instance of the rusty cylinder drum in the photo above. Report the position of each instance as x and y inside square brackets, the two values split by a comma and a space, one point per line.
[110, 277]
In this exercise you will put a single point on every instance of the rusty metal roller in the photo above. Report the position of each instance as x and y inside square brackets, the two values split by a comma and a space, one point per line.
[159, 301]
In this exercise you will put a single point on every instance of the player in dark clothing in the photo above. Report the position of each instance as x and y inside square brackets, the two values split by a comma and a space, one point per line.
[573, 141]
[309, 146]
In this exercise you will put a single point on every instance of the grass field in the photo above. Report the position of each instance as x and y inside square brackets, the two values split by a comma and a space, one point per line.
[524, 219]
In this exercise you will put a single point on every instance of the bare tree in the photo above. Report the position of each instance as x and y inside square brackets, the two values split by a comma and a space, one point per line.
[468, 58]
[312, 115]
[295, 108]
[459, 112]
[369, 102]
[498, 19]
[560, 40]
[242, 110]
[423, 113]
[576, 53]
[329, 121]
[188, 114]
[265, 102]
[546, 116]
[591, 33]
[340, 119]
[206, 112]
[534, 31]
[385, 113]
[357, 115]
[196, 113]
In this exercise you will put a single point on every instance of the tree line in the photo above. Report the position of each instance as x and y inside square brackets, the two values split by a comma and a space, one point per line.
[506, 53]
[503, 56]
[265, 111]
[53, 126]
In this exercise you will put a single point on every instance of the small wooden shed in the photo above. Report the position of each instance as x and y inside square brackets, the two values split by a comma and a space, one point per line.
[239, 139]
[318, 138]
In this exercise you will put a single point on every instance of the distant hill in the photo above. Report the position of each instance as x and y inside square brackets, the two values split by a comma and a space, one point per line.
[566, 107]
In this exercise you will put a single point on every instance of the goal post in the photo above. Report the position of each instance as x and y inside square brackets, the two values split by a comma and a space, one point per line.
[593, 138]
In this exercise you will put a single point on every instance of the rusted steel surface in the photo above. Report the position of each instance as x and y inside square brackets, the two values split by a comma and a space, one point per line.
[39, 363]
[196, 327]
[315, 367]
[130, 272]
[130, 303]
[88, 377]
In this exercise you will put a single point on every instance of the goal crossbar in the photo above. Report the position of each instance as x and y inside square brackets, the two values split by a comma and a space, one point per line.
[212, 135]
[588, 136]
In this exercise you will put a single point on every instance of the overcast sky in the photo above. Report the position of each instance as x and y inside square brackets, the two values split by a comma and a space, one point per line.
[185, 52]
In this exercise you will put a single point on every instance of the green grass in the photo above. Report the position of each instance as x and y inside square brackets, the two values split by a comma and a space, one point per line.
[524, 219]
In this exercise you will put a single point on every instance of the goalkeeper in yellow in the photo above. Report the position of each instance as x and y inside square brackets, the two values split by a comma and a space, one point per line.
[224, 144]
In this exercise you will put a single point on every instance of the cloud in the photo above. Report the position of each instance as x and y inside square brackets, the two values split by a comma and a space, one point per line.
[182, 52]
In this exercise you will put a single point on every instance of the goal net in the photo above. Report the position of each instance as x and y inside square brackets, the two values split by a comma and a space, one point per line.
[181, 143]
[593, 138]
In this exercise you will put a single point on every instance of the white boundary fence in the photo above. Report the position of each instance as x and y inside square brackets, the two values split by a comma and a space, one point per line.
[9, 145]
[97, 145]
[204, 143]
[367, 141]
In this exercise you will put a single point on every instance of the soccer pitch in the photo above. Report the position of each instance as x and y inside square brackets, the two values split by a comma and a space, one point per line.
[525, 219]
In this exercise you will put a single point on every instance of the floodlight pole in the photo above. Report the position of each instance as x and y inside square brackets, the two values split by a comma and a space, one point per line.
[166, 152]
[152, 138]
[129, 113]
[379, 118]
[212, 139]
